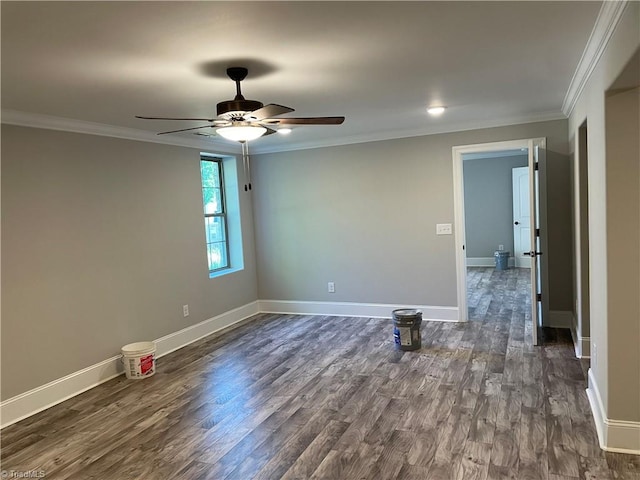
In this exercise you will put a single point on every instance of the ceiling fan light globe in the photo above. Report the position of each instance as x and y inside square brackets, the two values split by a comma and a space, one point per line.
[244, 133]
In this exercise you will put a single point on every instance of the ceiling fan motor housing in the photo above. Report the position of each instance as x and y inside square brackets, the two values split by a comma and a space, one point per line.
[236, 108]
[239, 106]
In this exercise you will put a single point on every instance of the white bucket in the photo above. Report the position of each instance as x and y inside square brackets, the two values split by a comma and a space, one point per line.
[139, 359]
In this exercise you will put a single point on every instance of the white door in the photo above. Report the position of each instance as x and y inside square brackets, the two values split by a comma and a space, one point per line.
[521, 217]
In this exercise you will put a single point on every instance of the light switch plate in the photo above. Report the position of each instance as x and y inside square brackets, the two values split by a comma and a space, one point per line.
[443, 229]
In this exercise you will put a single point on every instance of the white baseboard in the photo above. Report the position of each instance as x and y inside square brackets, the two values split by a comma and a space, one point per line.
[614, 435]
[348, 309]
[40, 398]
[584, 344]
[181, 338]
[481, 262]
[559, 319]
[487, 262]
[581, 345]
[29, 403]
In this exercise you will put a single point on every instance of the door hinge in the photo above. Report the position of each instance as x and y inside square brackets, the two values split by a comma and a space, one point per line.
[539, 297]
[537, 232]
[535, 166]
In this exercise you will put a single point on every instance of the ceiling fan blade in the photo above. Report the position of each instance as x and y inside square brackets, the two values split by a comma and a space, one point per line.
[303, 121]
[270, 131]
[184, 129]
[271, 110]
[171, 118]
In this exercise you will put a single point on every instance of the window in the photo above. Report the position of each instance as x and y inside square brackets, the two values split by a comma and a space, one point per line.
[222, 222]
[215, 213]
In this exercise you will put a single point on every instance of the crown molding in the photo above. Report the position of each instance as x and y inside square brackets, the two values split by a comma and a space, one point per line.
[50, 122]
[606, 23]
[36, 120]
[608, 18]
[421, 132]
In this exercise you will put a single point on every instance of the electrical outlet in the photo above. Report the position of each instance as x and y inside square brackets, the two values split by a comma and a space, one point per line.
[501, 247]
[331, 287]
[185, 310]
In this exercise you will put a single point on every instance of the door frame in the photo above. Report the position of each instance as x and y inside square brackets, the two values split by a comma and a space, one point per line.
[459, 216]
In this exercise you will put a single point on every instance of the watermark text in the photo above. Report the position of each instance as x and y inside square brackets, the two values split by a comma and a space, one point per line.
[22, 474]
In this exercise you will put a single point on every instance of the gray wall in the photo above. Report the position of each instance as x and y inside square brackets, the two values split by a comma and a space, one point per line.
[614, 317]
[488, 204]
[102, 244]
[560, 232]
[103, 239]
[623, 249]
[364, 216]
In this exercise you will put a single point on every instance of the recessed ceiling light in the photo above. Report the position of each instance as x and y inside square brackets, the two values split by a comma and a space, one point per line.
[435, 110]
[284, 131]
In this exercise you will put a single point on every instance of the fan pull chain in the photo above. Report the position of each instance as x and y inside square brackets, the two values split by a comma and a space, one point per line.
[249, 166]
[246, 166]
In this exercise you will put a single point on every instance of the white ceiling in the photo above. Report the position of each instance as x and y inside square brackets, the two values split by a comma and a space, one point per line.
[377, 63]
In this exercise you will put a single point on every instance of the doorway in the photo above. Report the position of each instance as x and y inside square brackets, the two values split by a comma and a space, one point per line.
[581, 329]
[491, 209]
[466, 215]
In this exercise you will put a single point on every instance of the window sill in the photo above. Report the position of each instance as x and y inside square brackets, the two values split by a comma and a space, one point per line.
[226, 271]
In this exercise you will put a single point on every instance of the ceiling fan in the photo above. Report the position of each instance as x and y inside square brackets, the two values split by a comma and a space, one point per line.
[243, 120]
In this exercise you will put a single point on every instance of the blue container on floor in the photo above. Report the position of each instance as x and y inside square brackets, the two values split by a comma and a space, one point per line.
[502, 259]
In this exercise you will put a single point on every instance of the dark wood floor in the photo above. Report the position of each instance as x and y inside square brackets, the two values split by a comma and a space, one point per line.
[313, 397]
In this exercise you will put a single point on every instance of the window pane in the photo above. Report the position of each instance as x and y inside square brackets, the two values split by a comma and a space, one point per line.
[215, 219]
[214, 227]
[217, 253]
[212, 199]
[210, 173]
